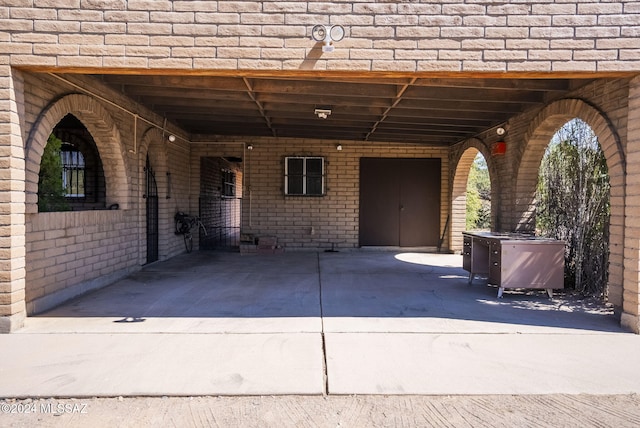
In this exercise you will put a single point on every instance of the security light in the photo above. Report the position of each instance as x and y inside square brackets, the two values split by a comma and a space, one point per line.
[318, 33]
[327, 34]
[336, 33]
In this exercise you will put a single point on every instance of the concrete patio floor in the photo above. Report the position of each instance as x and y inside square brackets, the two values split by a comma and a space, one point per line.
[360, 322]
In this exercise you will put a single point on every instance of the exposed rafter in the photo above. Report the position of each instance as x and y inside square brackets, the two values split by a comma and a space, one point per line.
[259, 104]
[368, 107]
[397, 99]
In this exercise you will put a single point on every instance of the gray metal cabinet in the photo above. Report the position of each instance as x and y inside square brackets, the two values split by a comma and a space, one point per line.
[475, 255]
[515, 261]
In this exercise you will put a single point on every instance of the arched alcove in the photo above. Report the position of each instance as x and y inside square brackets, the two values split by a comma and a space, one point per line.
[152, 147]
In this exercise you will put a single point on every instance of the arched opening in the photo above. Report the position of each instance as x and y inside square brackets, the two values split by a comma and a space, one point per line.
[154, 166]
[151, 212]
[542, 129]
[573, 205]
[478, 210]
[71, 177]
[69, 253]
[104, 133]
[474, 150]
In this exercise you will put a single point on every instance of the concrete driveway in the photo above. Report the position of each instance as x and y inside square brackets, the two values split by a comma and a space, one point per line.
[361, 322]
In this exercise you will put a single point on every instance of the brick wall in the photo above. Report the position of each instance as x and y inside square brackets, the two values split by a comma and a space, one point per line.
[631, 298]
[12, 207]
[604, 106]
[309, 222]
[452, 35]
[68, 253]
[170, 162]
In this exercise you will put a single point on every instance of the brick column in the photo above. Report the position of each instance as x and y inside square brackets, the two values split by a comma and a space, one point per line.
[12, 206]
[631, 294]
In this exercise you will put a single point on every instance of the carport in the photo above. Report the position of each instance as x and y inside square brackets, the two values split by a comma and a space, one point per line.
[169, 90]
[354, 322]
[183, 131]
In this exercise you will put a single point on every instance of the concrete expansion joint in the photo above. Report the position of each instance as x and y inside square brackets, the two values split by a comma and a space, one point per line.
[325, 372]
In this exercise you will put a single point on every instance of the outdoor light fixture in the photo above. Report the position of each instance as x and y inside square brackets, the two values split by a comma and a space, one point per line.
[327, 34]
[322, 113]
[250, 147]
[499, 148]
[339, 147]
[172, 138]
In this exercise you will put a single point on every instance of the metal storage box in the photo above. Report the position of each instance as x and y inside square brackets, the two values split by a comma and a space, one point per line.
[514, 260]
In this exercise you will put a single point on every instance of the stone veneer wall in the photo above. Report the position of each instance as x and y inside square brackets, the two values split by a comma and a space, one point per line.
[434, 36]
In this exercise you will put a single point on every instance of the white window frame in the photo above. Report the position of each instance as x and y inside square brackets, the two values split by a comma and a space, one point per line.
[304, 176]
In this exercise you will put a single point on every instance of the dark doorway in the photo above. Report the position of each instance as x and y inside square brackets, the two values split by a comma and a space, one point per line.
[151, 196]
[220, 203]
[399, 202]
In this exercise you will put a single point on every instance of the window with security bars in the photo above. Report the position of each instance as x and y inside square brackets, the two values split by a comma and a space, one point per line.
[73, 172]
[304, 176]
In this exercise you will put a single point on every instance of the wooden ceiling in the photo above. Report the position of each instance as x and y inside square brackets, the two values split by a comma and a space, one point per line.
[434, 111]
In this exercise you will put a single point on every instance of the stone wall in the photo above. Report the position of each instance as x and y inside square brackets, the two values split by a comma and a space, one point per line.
[452, 36]
[69, 253]
[12, 207]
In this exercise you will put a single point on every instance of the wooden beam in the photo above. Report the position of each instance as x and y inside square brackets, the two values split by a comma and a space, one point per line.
[489, 106]
[324, 100]
[357, 74]
[220, 83]
[325, 88]
[181, 93]
[502, 84]
[457, 94]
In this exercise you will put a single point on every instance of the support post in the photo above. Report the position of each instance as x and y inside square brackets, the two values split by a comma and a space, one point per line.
[12, 203]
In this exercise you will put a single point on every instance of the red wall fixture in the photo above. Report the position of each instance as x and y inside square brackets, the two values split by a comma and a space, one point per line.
[498, 148]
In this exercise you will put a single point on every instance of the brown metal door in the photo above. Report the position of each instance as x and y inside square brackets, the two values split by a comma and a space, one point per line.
[399, 202]
[419, 195]
[379, 213]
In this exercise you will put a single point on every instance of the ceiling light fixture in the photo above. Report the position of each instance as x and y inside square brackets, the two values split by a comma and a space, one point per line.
[322, 113]
[327, 34]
